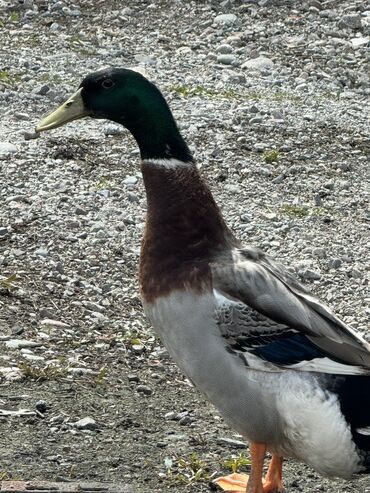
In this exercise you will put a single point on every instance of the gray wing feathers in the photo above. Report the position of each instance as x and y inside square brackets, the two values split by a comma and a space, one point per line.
[257, 281]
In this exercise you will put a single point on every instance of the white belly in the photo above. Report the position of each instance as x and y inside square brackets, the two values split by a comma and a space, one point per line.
[287, 410]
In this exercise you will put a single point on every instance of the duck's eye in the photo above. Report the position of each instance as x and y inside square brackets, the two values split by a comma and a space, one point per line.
[107, 83]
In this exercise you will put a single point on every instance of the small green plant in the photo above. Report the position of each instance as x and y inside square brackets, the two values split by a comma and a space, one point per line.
[4, 75]
[104, 183]
[187, 470]
[237, 462]
[187, 92]
[320, 211]
[294, 210]
[75, 39]
[49, 372]
[8, 282]
[32, 41]
[271, 156]
[56, 78]
[100, 378]
[14, 16]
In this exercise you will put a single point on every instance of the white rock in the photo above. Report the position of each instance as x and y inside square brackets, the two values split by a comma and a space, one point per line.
[20, 343]
[13, 374]
[356, 42]
[226, 19]
[260, 63]
[7, 148]
[86, 424]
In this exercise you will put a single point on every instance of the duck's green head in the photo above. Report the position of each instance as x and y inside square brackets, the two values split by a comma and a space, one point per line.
[126, 97]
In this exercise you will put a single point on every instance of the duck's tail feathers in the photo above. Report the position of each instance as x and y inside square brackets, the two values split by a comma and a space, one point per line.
[353, 393]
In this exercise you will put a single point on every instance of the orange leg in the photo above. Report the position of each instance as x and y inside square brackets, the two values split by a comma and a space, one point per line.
[254, 484]
[274, 478]
[258, 451]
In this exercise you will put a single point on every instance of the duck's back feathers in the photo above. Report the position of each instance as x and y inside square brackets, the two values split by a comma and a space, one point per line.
[298, 322]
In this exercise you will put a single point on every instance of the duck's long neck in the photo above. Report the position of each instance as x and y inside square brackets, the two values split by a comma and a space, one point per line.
[184, 230]
[182, 214]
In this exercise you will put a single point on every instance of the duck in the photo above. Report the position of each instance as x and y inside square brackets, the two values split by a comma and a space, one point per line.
[282, 369]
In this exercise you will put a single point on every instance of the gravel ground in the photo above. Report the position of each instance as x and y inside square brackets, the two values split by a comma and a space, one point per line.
[273, 98]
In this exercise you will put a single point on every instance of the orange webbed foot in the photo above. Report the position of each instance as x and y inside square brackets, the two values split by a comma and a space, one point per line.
[234, 482]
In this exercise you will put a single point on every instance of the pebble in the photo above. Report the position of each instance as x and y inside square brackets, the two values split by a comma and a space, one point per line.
[230, 442]
[113, 129]
[132, 377]
[224, 49]
[86, 424]
[42, 90]
[352, 21]
[21, 116]
[41, 406]
[309, 275]
[334, 263]
[226, 59]
[31, 135]
[186, 420]
[144, 389]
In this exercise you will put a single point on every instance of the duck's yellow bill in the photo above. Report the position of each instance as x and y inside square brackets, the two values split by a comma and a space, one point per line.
[72, 109]
[234, 482]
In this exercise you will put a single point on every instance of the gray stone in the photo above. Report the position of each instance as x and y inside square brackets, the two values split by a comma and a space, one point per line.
[231, 443]
[256, 119]
[132, 377]
[226, 59]
[334, 263]
[315, 3]
[144, 389]
[351, 21]
[41, 406]
[309, 275]
[42, 90]
[31, 135]
[224, 49]
[355, 273]
[21, 116]
[320, 252]
[113, 129]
